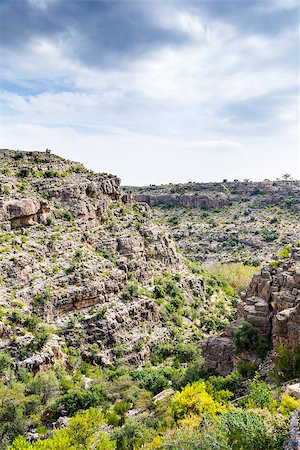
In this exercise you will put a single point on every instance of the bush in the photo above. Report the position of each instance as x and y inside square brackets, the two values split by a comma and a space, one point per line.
[236, 275]
[67, 215]
[230, 382]
[159, 291]
[23, 173]
[254, 430]
[50, 174]
[195, 401]
[6, 362]
[288, 404]
[260, 395]
[18, 155]
[285, 252]
[247, 369]
[45, 385]
[209, 437]
[155, 380]
[194, 372]
[84, 432]
[131, 291]
[16, 410]
[132, 435]
[181, 352]
[76, 400]
[287, 364]
[247, 338]
[270, 236]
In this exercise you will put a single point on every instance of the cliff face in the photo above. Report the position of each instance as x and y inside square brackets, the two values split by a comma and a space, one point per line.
[204, 200]
[219, 195]
[76, 256]
[272, 304]
[32, 184]
[227, 222]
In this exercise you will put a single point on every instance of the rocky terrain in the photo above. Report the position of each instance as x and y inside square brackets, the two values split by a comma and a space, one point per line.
[230, 221]
[113, 336]
[271, 304]
[76, 254]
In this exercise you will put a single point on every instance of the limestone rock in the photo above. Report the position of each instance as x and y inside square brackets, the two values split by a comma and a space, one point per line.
[293, 390]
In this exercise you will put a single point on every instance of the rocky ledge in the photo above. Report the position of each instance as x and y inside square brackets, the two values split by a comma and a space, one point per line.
[271, 304]
[79, 265]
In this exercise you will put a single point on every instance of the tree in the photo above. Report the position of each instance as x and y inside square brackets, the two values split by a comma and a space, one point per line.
[286, 177]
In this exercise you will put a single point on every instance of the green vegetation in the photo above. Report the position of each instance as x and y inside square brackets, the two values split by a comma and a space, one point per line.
[102, 320]
[236, 275]
[247, 338]
[199, 415]
[287, 364]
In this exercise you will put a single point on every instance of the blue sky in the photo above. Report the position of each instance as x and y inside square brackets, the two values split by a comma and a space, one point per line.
[154, 91]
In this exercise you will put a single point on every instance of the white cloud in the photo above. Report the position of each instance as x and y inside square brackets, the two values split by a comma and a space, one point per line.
[41, 4]
[160, 116]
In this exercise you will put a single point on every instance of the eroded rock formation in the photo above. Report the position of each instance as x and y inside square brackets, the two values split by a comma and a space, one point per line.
[76, 255]
[272, 304]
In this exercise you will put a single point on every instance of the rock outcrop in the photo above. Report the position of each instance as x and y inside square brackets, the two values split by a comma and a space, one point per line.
[77, 253]
[44, 181]
[226, 222]
[293, 442]
[189, 200]
[218, 195]
[272, 304]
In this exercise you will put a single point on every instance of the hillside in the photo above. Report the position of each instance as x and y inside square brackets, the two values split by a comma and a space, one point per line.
[74, 254]
[114, 336]
[230, 221]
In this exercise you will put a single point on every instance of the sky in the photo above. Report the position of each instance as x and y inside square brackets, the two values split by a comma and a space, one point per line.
[154, 91]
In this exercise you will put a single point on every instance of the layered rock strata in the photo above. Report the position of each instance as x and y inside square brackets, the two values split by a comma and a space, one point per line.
[272, 304]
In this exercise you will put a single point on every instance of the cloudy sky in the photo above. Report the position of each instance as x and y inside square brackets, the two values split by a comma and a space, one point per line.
[154, 91]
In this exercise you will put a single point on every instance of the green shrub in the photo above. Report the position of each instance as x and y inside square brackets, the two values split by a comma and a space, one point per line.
[254, 430]
[159, 291]
[42, 298]
[75, 400]
[154, 380]
[6, 362]
[270, 236]
[45, 385]
[23, 173]
[18, 155]
[16, 410]
[17, 317]
[287, 364]
[247, 338]
[179, 351]
[67, 215]
[260, 395]
[209, 437]
[132, 435]
[230, 382]
[71, 268]
[247, 369]
[285, 252]
[131, 291]
[84, 432]
[236, 275]
[194, 372]
[50, 174]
